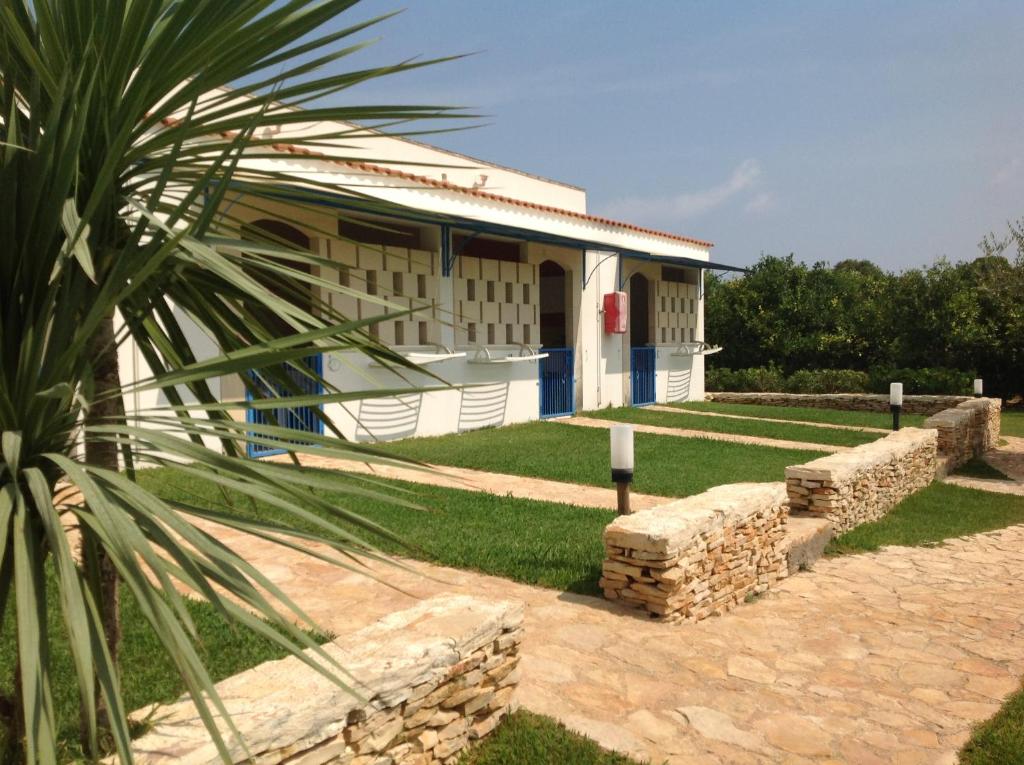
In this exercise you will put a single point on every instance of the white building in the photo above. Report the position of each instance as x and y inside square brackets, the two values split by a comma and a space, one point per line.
[510, 272]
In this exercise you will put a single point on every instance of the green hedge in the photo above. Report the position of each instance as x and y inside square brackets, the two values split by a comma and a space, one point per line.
[935, 380]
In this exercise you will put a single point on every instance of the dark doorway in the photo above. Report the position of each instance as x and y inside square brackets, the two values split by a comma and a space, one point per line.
[553, 306]
[639, 311]
[275, 232]
[557, 373]
[298, 380]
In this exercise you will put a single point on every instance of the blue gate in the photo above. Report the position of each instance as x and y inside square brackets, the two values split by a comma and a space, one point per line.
[557, 383]
[642, 365]
[299, 418]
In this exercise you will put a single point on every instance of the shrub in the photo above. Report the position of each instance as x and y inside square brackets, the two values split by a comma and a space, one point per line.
[924, 381]
[720, 379]
[930, 380]
[761, 379]
[827, 381]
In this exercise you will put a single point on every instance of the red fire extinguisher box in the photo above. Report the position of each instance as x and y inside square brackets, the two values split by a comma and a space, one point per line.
[616, 309]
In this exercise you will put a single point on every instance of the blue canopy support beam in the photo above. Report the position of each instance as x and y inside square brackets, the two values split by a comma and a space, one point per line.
[450, 223]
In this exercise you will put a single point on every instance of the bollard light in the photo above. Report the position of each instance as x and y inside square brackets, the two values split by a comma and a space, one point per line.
[895, 403]
[977, 387]
[622, 463]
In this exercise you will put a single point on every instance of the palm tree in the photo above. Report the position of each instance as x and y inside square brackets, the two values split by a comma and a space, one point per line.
[123, 123]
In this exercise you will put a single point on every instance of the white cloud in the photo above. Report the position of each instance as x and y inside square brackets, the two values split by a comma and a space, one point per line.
[690, 204]
[1008, 172]
[761, 204]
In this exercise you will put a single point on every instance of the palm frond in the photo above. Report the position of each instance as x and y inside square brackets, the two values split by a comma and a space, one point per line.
[124, 127]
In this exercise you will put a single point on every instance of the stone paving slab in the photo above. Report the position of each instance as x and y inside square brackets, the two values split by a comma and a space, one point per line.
[876, 658]
[1009, 459]
[826, 425]
[502, 484]
[778, 443]
[995, 485]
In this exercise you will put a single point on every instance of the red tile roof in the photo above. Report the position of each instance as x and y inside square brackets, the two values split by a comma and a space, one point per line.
[448, 186]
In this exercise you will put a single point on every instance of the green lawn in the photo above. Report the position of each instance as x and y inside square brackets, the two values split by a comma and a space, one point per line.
[541, 543]
[938, 512]
[805, 414]
[525, 738]
[665, 465]
[147, 674]
[1012, 423]
[763, 428]
[1000, 740]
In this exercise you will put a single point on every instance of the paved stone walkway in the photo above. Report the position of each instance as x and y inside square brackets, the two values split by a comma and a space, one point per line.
[779, 443]
[883, 658]
[1009, 459]
[997, 486]
[826, 425]
[492, 483]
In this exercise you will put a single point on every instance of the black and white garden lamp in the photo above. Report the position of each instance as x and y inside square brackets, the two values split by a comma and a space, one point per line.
[895, 403]
[978, 386]
[622, 463]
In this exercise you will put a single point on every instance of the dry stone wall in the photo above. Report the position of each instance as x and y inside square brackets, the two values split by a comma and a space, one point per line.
[967, 430]
[864, 483]
[431, 680]
[698, 556]
[861, 402]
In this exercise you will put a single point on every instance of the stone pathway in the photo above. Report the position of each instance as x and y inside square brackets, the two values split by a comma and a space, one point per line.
[502, 484]
[1009, 459]
[882, 658]
[997, 486]
[779, 443]
[826, 425]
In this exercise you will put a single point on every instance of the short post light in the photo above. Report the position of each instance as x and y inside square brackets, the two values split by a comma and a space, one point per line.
[622, 463]
[978, 387]
[895, 403]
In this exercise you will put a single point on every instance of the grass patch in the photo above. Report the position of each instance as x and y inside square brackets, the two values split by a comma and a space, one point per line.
[525, 738]
[147, 675]
[541, 543]
[978, 468]
[762, 428]
[665, 465]
[806, 414]
[1000, 740]
[940, 511]
[1012, 423]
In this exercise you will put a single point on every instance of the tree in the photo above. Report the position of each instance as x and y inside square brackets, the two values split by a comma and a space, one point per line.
[966, 316]
[123, 123]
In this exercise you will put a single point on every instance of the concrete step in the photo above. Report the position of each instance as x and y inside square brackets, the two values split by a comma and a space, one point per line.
[809, 536]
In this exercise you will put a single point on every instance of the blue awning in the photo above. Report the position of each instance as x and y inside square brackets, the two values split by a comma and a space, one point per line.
[669, 260]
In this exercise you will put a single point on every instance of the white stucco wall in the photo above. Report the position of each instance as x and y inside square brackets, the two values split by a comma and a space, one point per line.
[494, 394]
[485, 395]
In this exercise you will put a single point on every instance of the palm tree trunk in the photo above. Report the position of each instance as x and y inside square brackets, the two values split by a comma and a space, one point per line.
[99, 569]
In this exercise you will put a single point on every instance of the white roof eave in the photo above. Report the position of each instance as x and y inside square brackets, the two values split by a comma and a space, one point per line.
[461, 204]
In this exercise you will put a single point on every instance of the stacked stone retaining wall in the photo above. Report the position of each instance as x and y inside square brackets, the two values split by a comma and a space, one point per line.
[861, 402]
[698, 556]
[966, 431]
[864, 483]
[431, 680]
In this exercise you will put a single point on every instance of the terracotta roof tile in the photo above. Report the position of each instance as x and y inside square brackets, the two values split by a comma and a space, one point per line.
[369, 167]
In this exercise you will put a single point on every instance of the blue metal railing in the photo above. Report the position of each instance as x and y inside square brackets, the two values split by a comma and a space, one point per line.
[557, 383]
[300, 418]
[642, 366]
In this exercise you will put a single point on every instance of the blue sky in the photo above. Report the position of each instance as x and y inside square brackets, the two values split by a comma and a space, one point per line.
[887, 131]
